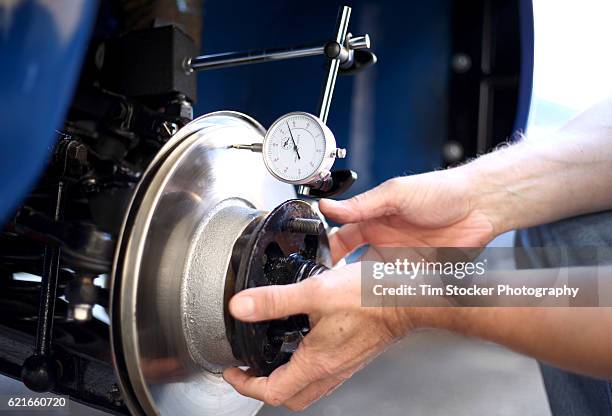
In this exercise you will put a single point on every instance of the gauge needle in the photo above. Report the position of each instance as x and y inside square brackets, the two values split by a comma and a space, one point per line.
[293, 140]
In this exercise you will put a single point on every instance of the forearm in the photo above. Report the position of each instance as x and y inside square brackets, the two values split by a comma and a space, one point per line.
[543, 180]
[576, 339]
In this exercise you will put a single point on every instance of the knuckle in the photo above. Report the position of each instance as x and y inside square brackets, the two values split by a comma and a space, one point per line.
[273, 398]
[313, 286]
[299, 359]
[323, 284]
[329, 367]
[274, 303]
[298, 407]
[393, 188]
[306, 343]
[274, 401]
[322, 367]
[358, 200]
[344, 376]
[305, 366]
[393, 183]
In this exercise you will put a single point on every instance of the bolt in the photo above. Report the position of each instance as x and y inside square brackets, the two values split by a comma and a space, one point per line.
[167, 129]
[332, 49]
[359, 42]
[81, 312]
[115, 395]
[452, 151]
[78, 152]
[305, 226]
[99, 56]
[76, 159]
[90, 185]
[180, 107]
[291, 340]
[461, 63]
[186, 110]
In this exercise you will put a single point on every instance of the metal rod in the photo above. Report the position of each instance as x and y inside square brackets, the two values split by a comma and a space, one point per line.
[334, 64]
[48, 288]
[229, 59]
[254, 147]
[48, 291]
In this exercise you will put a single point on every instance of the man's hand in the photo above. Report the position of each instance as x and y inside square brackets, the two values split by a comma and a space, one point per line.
[344, 336]
[436, 209]
[431, 210]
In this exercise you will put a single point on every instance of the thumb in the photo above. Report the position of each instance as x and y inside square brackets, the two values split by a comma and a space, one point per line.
[376, 202]
[273, 302]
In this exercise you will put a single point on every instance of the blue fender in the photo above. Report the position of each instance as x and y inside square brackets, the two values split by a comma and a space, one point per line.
[42, 44]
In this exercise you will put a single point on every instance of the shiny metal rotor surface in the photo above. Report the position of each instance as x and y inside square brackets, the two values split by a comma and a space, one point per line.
[171, 265]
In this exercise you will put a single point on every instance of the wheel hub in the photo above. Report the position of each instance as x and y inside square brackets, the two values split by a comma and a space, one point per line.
[196, 233]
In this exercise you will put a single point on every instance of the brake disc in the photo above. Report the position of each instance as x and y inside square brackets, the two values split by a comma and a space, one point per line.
[170, 276]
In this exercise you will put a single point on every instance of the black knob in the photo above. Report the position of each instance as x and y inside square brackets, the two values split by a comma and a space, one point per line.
[338, 183]
[40, 373]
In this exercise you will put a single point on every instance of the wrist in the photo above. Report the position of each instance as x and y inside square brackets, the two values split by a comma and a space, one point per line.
[489, 194]
[438, 317]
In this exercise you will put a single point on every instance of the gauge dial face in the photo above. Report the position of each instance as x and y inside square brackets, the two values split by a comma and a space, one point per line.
[294, 147]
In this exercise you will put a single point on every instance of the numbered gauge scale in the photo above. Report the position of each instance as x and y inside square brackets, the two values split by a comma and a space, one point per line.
[300, 149]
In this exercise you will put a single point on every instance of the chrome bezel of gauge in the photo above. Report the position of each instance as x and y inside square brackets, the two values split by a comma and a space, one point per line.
[328, 157]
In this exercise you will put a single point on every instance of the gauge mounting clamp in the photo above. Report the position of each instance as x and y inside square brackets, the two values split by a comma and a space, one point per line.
[299, 148]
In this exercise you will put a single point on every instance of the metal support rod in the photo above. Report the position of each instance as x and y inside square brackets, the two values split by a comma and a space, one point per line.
[334, 65]
[48, 291]
[48, 288]
[229, 59]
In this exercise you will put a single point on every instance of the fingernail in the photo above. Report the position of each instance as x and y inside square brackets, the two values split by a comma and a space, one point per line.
[243, 307]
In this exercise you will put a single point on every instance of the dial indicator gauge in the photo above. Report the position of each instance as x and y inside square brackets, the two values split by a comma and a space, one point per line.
[299, 149]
